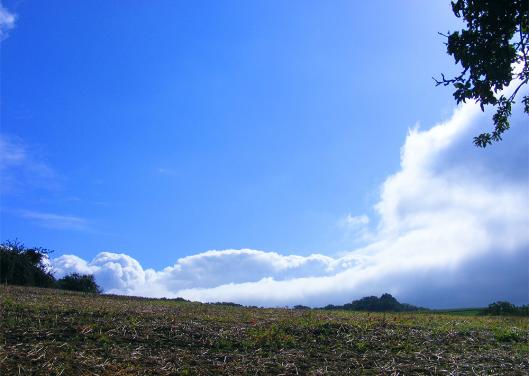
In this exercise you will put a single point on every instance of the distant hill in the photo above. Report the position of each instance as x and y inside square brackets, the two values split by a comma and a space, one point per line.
[386, 303]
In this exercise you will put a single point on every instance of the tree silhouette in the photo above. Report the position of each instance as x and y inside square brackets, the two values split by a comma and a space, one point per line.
[493, 51]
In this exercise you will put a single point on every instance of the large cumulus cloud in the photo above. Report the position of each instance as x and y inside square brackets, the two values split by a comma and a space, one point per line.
[452, 230]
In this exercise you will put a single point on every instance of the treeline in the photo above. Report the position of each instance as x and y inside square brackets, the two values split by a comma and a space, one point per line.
[28, 267]
[502, 308]
[386, 303]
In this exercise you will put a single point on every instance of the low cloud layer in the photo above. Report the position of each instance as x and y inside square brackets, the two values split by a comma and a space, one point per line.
[452, 231]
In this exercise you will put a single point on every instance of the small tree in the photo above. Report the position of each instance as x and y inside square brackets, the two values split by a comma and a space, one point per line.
[79, 282]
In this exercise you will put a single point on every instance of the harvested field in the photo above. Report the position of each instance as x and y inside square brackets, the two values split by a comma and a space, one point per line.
[51, 332]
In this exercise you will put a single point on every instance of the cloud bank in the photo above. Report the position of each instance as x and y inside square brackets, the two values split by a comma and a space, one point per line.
[452, 231]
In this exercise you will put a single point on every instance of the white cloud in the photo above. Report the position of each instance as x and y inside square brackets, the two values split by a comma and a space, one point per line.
[12, 153]
[166, 171]
[120, 273]
[21, 169]
[452, 231]
[54, 221]
[7, 22]
[356, 228]
[355, 222]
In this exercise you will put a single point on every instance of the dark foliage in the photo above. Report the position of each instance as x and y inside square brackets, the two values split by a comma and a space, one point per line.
[78, 282]
[24, 266]
[505, 309]
[178, 299]
[386, 303]
[226, 304]
[299, 306]
[496, 37]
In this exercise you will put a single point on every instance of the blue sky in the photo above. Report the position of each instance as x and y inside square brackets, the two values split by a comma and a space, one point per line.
[162, 129]
[178, 127]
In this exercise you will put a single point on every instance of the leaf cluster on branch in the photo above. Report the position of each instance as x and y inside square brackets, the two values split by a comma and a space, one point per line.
[493, 51]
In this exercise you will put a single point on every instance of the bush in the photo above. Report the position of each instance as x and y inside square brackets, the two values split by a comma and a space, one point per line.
[502, 308]
[299, 306]
[386, 303]
[79, 282]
